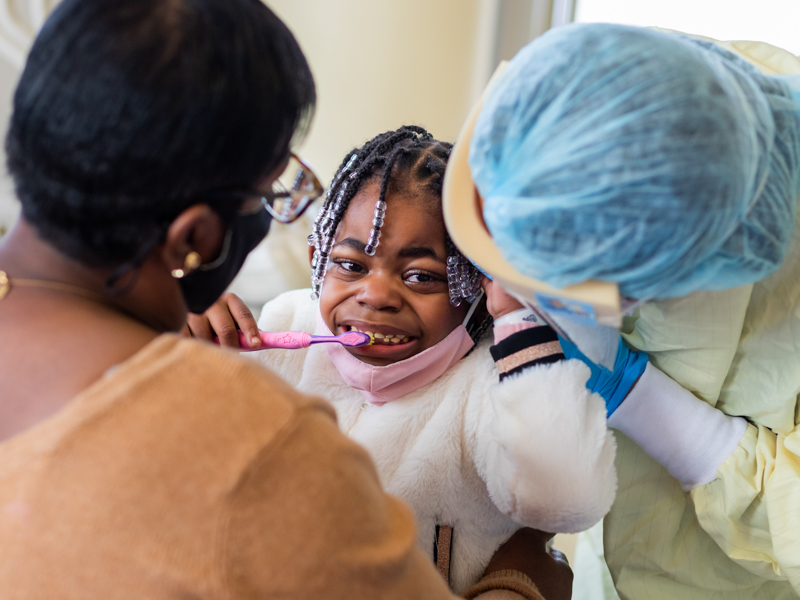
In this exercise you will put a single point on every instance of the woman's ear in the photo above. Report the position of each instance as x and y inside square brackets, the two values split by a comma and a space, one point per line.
[311, 250]
[197, 229]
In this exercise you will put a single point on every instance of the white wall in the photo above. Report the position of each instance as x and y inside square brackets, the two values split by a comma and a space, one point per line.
[9, 207]
[19, 20]
[772, 21]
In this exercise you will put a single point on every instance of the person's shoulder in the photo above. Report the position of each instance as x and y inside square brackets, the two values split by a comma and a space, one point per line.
[478, 367]
[218, 386]
[465, 387]
[294, 310]
[210, 366]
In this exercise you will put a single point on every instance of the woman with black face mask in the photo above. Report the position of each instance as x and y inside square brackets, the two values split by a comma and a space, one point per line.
[147, 144]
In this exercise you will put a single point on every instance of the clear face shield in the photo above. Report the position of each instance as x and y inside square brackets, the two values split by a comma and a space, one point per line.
[588, 314]
[593, 326]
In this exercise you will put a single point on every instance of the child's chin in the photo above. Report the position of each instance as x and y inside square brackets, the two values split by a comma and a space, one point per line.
[385, 354]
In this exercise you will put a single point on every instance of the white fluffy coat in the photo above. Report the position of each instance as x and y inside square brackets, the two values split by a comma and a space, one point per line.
[466, 451]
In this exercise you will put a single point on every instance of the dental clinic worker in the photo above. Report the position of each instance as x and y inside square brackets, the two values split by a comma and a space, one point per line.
[667, 166]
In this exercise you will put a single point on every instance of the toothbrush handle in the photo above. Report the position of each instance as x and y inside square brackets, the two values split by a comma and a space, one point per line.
[284, 339]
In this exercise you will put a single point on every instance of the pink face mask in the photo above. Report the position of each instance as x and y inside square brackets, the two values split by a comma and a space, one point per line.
[384, 384]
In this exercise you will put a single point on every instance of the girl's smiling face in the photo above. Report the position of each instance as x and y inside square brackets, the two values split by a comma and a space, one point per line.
[400, 294]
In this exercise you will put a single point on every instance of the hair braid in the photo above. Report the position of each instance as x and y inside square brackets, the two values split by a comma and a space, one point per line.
[409, 153]
[380, 206]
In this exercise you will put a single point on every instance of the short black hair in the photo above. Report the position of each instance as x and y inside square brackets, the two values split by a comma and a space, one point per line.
[130, 111]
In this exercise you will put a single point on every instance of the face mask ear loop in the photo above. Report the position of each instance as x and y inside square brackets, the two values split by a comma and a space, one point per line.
[132, 265]
[473, 307]
[223, 255]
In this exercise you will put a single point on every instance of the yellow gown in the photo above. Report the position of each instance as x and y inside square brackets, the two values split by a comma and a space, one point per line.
[737, 537]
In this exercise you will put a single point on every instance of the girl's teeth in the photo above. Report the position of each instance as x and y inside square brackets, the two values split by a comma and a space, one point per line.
[386, 339]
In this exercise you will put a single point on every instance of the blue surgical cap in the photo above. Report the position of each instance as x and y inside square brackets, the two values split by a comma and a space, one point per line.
[650, 159]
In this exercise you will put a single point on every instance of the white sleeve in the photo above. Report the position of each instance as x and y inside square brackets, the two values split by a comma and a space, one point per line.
[687, 436]
[549, 456]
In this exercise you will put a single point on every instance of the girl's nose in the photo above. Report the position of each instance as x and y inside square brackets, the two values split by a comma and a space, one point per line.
[379, 291]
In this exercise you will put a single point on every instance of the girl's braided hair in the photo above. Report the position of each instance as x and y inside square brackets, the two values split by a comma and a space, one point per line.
[411, 157]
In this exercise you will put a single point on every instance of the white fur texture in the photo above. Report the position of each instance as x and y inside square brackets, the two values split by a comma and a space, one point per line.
[465, 451]
[549, 455]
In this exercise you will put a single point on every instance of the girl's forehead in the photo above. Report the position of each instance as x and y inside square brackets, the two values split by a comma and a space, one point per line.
[408, 217]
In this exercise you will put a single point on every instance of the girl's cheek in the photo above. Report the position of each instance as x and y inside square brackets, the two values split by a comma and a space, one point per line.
[333, 294]
[326, 305]
[442, 318]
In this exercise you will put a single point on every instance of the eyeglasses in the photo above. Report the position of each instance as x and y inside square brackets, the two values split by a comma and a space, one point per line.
[291, 194]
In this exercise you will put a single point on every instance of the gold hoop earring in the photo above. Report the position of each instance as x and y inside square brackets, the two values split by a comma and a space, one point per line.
[191, 263]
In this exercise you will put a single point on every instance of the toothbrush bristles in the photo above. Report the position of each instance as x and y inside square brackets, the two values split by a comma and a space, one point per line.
[353, 339]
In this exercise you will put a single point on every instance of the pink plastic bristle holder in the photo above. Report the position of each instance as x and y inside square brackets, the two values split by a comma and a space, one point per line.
[351, 339]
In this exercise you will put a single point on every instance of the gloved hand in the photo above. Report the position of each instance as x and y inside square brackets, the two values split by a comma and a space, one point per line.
[613, 387]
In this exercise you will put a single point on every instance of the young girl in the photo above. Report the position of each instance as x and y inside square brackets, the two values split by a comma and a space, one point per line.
[475, 459]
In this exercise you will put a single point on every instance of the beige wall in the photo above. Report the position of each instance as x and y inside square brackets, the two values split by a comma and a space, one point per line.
[380, 64]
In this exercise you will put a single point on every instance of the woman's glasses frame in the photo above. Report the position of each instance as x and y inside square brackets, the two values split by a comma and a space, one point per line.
[301, 193]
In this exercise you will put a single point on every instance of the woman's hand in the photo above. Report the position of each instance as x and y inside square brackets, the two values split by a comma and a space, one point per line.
[222, 320]
[526, 552]
[498, 301]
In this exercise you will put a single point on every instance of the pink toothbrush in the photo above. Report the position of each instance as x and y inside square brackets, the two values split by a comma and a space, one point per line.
[300, 339]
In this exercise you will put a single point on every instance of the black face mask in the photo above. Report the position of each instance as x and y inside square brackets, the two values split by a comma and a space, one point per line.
[204, 286]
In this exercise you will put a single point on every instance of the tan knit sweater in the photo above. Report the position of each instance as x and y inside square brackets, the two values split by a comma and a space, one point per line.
[190, 473]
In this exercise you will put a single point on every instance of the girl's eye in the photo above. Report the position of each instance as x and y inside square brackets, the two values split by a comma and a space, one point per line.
[423, 278]
[349, 266]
